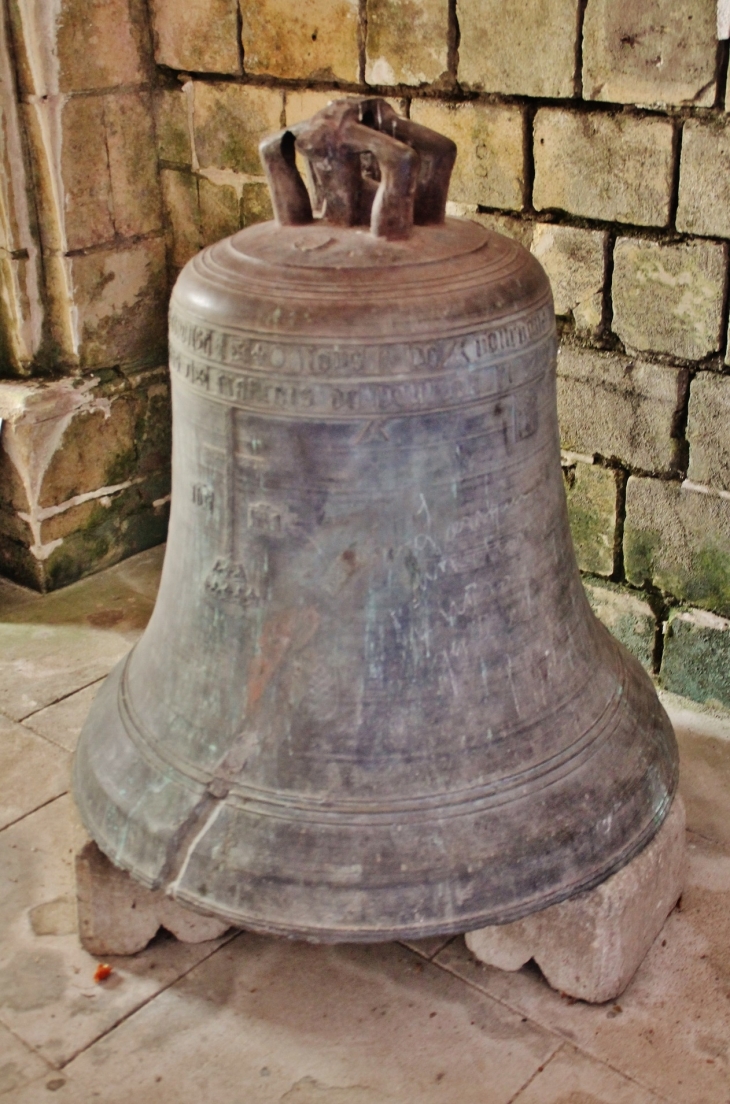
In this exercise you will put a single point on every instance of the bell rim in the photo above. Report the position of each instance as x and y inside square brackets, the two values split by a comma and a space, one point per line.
[321, 935]
[427, 931]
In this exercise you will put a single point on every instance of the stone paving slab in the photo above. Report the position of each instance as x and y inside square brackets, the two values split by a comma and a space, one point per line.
[670, 1029]
[266, 1021]
[18, 1063]
[428, 948]
[61, 723]
[704, 782]
[116, 610]
[138, 574]
[48, 997]
[54, 645]
[39, 664]
[12, 595]
[570, 1077]
[119, 599]
[32, 771]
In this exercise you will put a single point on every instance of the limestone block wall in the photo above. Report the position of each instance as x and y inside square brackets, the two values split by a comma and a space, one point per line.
[595, 133]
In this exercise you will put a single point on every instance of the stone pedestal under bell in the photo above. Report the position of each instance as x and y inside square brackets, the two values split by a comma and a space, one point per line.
[588, 947]
[591, 945]
[118, 916]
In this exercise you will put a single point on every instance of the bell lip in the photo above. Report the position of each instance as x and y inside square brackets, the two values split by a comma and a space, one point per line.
[414, 932]
[426, 931]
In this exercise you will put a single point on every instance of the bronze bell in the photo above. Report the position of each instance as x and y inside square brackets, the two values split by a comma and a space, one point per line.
[372, 700]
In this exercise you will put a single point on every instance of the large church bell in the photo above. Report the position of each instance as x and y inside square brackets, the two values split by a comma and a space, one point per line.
[372, 700]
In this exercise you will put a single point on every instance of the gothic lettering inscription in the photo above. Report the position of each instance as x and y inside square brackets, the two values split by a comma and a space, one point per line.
[292, 398]
[203, 496]
[229, 580]
[264, 518]
[194, 371]
[240, 351]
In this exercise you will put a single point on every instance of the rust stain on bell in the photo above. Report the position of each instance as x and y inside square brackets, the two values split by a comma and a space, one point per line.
[372, 701]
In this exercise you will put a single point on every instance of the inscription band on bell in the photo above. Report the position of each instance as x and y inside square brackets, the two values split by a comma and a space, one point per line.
[448, 387]
[240, 350]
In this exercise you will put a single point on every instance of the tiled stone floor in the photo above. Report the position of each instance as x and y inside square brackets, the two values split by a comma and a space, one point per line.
[249, 1020]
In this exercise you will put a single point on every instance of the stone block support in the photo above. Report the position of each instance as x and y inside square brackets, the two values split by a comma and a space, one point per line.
[590, 946]
[118, 916]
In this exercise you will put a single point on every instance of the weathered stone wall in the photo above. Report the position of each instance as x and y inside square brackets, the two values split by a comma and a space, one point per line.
[84, 462]
[595, 133]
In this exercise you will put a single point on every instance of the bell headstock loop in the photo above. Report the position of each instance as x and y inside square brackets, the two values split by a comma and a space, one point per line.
[368, 165]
